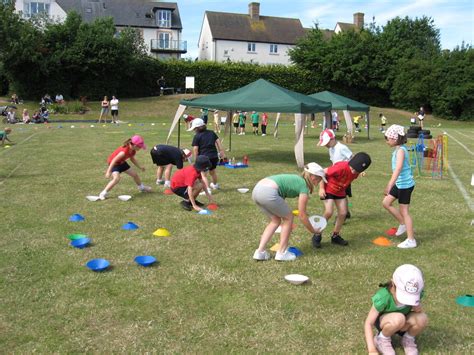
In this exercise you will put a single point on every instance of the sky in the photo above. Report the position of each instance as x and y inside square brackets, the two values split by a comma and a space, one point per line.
[454, 18]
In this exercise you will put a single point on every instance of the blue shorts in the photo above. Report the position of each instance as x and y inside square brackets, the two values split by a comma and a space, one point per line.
[121, 167]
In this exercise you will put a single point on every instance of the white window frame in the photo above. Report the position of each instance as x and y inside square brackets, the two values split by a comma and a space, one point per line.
[164, 38]
[251, 47]
[28, 9]
[273, 48]
[163, 18]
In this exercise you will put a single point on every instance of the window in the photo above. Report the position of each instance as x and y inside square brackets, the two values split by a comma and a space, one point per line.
[273, 48]
[164, 40]
[35, 7]
[251, 47]
[164, 18]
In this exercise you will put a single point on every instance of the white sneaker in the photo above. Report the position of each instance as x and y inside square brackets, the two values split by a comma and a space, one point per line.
[168, 184]
[401, 230]
[144, 189]
[263, 135]
[286, 256]
[203, 193]
[160, 182]
[407, 244]
[263, 255]
[103, 196]
[214, 186]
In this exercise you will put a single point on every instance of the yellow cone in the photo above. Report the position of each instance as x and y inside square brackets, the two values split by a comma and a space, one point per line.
[161, 232]
[296, 213]
[276, 247]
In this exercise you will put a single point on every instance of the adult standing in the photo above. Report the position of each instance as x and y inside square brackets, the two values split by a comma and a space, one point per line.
[421, 116]
[161, 84]
[114, 107]
[165, 156]
[104, 109]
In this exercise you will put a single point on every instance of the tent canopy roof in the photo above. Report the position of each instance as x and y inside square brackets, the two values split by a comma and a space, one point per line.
[340, 102]
[263, 96]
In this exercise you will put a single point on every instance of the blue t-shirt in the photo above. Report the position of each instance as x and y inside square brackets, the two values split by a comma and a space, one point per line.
[405, 180]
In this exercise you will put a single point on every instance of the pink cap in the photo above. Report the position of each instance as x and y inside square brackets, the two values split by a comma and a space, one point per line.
[408, 281]
[326, 136]
[138, 141]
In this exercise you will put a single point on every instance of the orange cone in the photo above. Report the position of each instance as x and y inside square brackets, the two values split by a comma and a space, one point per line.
[382, 242]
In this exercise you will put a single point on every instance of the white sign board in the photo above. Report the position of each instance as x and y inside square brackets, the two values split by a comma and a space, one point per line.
[190, 82]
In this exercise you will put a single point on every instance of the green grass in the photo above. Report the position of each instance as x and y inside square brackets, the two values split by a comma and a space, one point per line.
[207, 295]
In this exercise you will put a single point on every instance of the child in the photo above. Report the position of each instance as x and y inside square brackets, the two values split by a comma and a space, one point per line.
[165, 156]
[242, 119]
[264, 124]
[190, 181]
[421, 116]
[255, 117]
[396, 309]
[269, 194]
[217, 123]
[339, 176]
[337, 152]
[400, 185]
[356, 123]
[207, 143]
[235, 122]
[26, 116]
[383, 122]
[335, 121]
[4, 135]
[117, 165]
[188, 119]
[204, 114]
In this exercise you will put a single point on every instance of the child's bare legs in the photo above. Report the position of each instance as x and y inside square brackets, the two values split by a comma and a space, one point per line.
[268, 232]
[213, 174]
[286, 225]
[387, 204]
[407, 221]
[415, 323]
[341, 206]
[135, 176]
[159, 173]
[115, 180]
[328, 209]
[391, 323]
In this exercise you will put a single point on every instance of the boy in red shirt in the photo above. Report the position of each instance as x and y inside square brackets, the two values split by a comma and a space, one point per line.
[190, 181]
[339, 177]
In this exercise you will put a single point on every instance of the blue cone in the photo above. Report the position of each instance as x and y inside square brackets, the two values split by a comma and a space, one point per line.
[76, 218]
[130, 226]
[80, 243]
[295, 251]
[145, 260]
[98, 264]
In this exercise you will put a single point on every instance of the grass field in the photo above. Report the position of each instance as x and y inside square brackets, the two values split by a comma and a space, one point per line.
[207, 295]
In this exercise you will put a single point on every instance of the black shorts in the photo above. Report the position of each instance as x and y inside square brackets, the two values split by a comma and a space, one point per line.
[377, 326]
[158, 158]
[181, 192]
[333, 197]
[121, 167]
[214, 162]
[236, 124]
[242, 125]
[402, 195]
[114, 112]
[255, 125]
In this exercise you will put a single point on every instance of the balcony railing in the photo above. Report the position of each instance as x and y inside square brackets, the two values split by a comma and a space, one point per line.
[161, 45]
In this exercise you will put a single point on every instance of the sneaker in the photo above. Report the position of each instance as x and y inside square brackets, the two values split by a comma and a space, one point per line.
[263, 134]
[214, 186]
[286, 256]
[145, 189]
[103, 196]
[384, 345]
[186, 205]
[317, 241]
[407, 244]
[337, 239]
[199, 204]
[160, 182]
[261, 255]
[168, 184]
[409, 345]
[401, 230]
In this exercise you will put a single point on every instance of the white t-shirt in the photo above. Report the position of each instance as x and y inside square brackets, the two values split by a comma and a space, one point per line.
[339, 152]
[114, 104]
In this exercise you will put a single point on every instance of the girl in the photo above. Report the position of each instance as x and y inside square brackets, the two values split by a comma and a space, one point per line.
[269, 194]
[117, 165]
[104, 110]
[396, 309]
[26, 116]
[264, 124]
[165, 156]
[207, 143]
[400, 185]
[235, 121]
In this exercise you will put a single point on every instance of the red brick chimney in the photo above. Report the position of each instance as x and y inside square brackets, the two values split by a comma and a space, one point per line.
[359, 20]
[254, 11]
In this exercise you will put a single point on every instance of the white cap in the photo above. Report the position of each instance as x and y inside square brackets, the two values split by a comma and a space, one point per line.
[326, 136]
[315, 169]
[197, 122]
[409, 283]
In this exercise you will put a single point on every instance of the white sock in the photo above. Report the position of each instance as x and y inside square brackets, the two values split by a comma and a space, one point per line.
[408, 336]
[103, 192]
[383, 336]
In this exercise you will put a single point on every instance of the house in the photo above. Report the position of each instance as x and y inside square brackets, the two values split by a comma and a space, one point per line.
[248, 37]
[159, 23]
[357, 25]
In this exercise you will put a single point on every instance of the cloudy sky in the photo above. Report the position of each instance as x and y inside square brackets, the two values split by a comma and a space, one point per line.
[454, 18]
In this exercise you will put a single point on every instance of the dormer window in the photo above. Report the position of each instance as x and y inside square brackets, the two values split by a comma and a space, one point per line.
[32, 8]
[163, 18]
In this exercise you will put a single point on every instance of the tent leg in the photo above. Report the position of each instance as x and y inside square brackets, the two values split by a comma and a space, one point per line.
[179, 132]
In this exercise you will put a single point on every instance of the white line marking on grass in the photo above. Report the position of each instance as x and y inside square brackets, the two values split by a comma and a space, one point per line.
[11, 173]
[461, 188]
[464, 135]
[462, 145]
[23, 141]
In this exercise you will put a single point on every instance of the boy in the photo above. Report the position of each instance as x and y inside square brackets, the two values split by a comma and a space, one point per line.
[356, 123]
[4, 134]
[339, 176]
[337, 152]
[190, 181]
[383, 122]
[255, 117]
[165, 156]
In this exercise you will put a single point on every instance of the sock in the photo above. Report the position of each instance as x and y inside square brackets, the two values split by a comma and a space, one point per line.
[141, 186]
[408, 336]
[103, 192]
[383, 336]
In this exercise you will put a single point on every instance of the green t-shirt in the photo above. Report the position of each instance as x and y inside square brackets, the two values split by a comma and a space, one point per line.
[254, 117]
[384, 302]
[290, 185]
[241, 119]
[3, 134]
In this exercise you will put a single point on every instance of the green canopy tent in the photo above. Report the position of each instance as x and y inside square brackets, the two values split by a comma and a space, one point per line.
[343, 103]
[262, 96]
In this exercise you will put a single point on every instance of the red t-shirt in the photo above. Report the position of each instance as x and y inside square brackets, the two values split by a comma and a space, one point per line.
[129, 152]
[185, 177]
[339, 177]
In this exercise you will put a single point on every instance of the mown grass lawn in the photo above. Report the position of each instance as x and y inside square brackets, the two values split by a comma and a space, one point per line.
[207, 295]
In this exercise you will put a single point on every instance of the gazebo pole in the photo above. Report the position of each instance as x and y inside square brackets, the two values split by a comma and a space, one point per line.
[227, 123]
[368, 125]
[179, 132]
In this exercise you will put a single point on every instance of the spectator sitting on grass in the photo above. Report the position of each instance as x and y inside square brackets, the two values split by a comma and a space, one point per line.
[26, 116]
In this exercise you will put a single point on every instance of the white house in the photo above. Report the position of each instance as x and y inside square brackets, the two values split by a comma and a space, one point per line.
[248, 37]
[158, 22]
